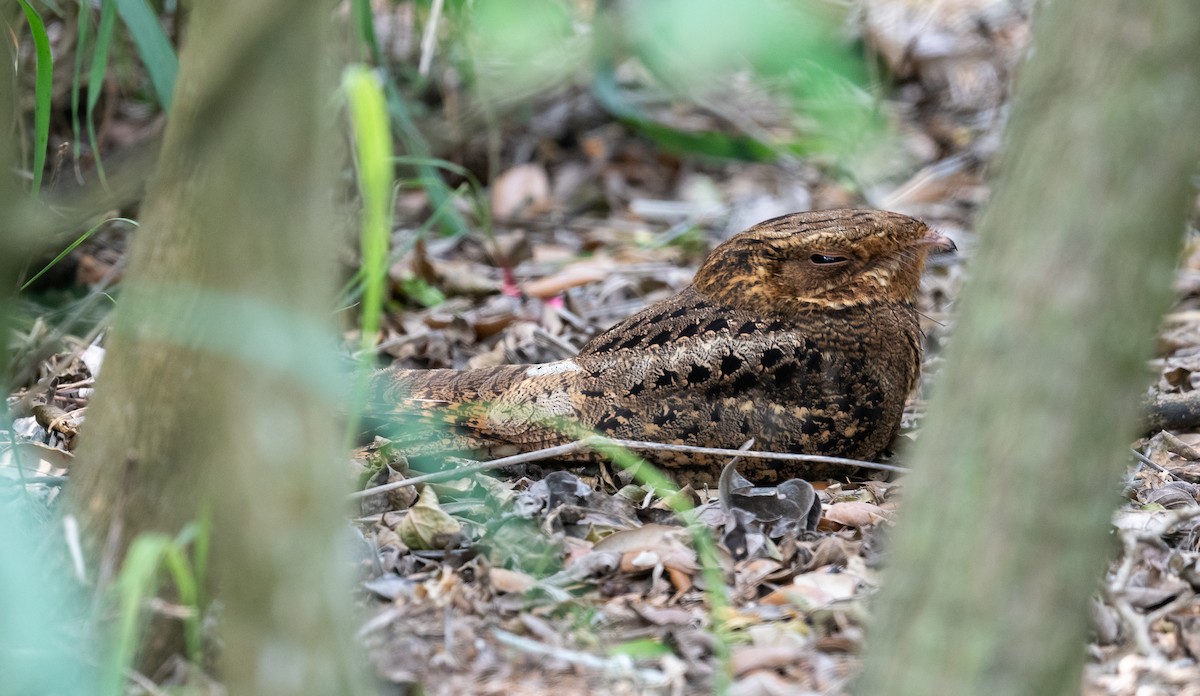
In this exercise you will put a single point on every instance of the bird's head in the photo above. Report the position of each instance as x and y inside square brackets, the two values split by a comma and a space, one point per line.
[833, 259]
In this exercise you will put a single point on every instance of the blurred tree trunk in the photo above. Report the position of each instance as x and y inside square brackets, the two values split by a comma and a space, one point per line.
[1004, 530]
[11, 196]
[35, 602]
[217, 392]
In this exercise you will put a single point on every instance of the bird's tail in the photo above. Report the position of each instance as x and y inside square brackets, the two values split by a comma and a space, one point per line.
[428, 411]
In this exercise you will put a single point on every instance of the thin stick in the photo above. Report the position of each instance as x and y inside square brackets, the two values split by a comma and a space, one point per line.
[749, 454]
[598, 441]
[1146, 460]
[616, 666]
[458, 472]
[429, 38]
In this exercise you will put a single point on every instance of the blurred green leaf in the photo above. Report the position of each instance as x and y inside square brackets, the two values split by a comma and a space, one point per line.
[704, 143]
[522, 44]
[99, 67]
[794, 51]
[80, 240]
[423, 293]
[39, 606]
[153, 46]
[644, 648]
[373, 154]
[364, 25]
[44, 77]
[137, 583]
[83, 38]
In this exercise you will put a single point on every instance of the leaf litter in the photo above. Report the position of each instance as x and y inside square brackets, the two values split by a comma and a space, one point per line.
[588, 582]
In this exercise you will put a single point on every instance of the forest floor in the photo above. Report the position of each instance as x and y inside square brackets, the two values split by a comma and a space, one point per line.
[537, 579]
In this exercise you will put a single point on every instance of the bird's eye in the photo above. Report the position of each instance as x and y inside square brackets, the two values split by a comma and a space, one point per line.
[825, 260]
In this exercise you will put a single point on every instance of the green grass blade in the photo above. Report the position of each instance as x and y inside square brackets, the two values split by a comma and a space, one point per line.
[189, 596]
[82, 238]
[364, 25]
[200, 542]
[353, 289]
[104, 34]
[153, 46]
[136, 584]
[45, 75]
[373, 152]
[83, 39]
[449, 219]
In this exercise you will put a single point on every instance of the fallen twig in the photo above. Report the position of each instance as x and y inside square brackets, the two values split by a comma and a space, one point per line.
[749, 454]
[618, 665]
[598, 441]
[1171, 411]
[1116, 591]
[458, 472]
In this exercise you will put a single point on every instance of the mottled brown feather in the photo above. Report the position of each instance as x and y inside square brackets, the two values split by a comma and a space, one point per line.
[767, 343]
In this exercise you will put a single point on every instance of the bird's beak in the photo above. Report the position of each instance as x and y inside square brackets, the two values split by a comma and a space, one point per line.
[937, 243]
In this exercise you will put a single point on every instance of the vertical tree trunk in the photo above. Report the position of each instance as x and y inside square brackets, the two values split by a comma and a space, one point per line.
[1003, 532]
[34, 601]
[11, 197]
[217, 391]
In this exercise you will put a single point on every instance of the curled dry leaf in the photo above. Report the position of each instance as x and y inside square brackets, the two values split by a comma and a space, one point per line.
[427, 526]
[855, 514]
[1150, 597]
[832, 550]
[748, 658]
[793, 504]
[575, 275]
[521, 190]
[1172, 496]
[817, 589]
[36, 458]
[593, 564]
[680, 580]
[666, 616]
[462, 278]
[649, 546]
[510, 581]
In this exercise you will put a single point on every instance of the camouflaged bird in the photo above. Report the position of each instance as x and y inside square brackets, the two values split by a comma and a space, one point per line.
[799, 332]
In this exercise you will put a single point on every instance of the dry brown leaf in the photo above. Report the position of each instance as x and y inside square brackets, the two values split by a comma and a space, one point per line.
[521, 190]
[855, 514]
[510, 581]
[665, 616]
[38, 459]
[681, 580]
[575, 275]
[649, 546]
[427, 526]
[819, 588]
[462, 278]
[751, 657]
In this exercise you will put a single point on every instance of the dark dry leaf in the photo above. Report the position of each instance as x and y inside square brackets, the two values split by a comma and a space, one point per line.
[742, 537]
[563, 488]
[1172, 496]
[790, 507]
